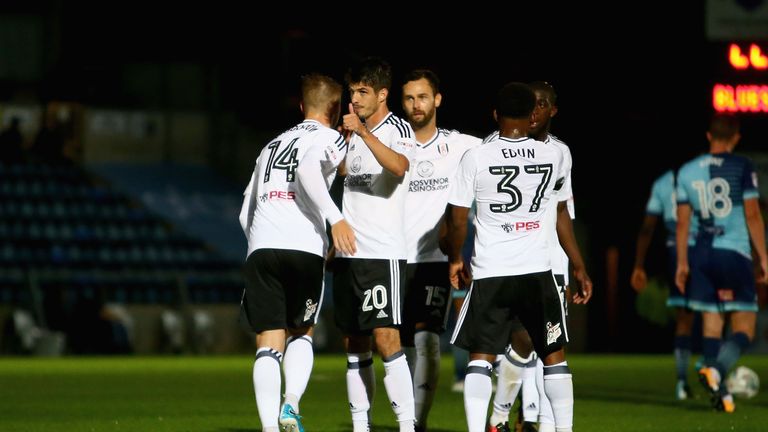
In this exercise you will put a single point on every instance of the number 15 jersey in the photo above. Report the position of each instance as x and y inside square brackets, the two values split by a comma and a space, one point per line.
[512, 182]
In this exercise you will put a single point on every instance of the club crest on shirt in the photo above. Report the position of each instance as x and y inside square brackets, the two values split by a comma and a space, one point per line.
[310, 309]
[553, 332]
[357, 163]
[442, 148]
[425, 169]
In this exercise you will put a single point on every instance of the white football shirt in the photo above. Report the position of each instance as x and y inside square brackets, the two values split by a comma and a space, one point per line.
[512, 182]
[434, 166]
[374, 198]
[284, 216]
[559, 258]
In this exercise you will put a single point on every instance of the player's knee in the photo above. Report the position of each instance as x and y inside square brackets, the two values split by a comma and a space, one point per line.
[301, 331]
[357, 343]
[428, 341]
[520, 358]
[522, 343]
[387, 341]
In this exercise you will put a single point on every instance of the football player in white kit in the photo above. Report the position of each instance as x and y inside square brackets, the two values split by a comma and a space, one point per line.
[512, 179]
[428, 294]
[367, 288]
[519, 367]
[283, 216]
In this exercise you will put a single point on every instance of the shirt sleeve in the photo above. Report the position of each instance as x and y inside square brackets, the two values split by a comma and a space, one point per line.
[463, 194]
[655, 204]
[249, 203]
[401, 139]
[566, 193]
[314, 183]
[334, 152]
[749, 181]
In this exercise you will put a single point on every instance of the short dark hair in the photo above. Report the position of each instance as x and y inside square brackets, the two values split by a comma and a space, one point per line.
[427, 74]
[372, 71]
[515, 100]
[319, 91]
[723, 126]
[545, 87]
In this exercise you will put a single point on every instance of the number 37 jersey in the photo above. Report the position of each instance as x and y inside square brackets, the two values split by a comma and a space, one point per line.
[512, 182]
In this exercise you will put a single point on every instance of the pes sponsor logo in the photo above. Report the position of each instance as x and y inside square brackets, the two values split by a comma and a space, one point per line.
[521, 226]
[281, 195]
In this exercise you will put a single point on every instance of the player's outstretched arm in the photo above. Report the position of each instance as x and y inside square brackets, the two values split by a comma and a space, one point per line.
[313, 183]
[639, 279]
[681, 241]
[571, 247]
[456, 231]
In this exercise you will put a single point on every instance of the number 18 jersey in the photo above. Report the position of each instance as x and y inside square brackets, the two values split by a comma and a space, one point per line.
[512, 182]
[716, 186]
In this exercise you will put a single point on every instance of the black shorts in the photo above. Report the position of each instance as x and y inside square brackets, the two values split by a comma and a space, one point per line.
[427, 296]
[367, 294]
[486, 319]
[283, 289]
[562, 289]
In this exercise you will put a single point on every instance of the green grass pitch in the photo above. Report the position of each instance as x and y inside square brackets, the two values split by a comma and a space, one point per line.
[214, 394]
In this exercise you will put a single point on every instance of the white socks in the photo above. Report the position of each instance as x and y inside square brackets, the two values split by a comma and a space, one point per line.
[530, 392]
[266, 385]
[399, 386]
[361, 386]
[297, 366]
[410, 357]
[477, 394]
[511, 369]
[426, 373]
[558, 385]
[546, 418]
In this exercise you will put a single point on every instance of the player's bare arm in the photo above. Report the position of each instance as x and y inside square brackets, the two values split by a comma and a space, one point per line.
[568, 242]
[639, 279]
[456, 220]
[681, 240]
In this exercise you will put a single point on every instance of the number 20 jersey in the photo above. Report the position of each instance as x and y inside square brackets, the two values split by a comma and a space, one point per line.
[512, 182]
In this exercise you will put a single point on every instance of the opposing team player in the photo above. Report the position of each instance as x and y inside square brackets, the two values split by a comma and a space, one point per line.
[717, 194]
[662, 205]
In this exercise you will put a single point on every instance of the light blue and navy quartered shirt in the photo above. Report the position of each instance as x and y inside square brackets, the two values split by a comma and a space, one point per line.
[716, 186]
[662, 204]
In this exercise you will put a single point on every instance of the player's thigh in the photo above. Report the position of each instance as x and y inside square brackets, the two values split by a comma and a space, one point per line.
[485, 319]
[733, 276]
[263, 306]
[700, 289]
[427, 297]
[368, 294]
[303, 274]
[541, 311]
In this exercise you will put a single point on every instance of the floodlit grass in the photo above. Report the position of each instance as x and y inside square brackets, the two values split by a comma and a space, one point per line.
[613, 393]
